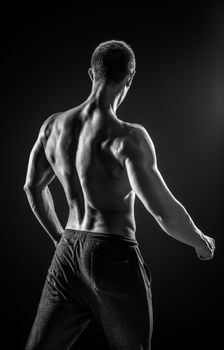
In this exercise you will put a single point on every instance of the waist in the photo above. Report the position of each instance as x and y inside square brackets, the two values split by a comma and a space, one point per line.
[113, 237]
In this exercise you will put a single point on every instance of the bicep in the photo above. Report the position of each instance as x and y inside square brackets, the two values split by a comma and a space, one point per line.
[39, 172]
[150, 187]
[146, 180]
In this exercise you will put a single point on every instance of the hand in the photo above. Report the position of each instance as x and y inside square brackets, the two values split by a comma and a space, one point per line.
[206, 250]
[55, 243]
[57, 240]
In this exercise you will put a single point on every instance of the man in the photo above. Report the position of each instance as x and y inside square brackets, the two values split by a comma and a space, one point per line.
[97, 272]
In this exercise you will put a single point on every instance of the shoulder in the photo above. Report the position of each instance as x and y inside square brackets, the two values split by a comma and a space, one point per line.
[47, 125]
[137, 140]
[136, 144]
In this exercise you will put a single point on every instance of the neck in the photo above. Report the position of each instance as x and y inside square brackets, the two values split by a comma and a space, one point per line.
[106, 97]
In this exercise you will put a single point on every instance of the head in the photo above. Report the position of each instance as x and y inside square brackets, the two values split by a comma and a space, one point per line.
[113, 64]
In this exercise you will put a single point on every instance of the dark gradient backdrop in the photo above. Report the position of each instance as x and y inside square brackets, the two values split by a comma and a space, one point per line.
[177, 95]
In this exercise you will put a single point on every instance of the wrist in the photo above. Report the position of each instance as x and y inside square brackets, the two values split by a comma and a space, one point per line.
[201, 241]
[56, 242]
[56, 239]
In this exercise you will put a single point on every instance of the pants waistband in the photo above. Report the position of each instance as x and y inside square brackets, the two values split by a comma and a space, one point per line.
[100, 235]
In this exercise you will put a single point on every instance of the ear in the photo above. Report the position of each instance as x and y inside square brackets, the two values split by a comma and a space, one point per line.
[90, 72]
[130, 78]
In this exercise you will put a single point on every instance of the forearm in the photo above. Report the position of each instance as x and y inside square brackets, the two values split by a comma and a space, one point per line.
[180, 226]
[42, 205]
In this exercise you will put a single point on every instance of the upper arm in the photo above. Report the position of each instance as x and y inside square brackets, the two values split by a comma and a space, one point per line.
[144, 176]
[39, 172]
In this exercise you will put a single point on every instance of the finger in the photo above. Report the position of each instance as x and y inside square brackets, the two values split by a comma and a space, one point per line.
[212, 243]
[201, 257]
[204, 257]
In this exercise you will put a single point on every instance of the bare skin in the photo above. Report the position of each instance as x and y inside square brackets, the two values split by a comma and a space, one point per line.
[102, 163]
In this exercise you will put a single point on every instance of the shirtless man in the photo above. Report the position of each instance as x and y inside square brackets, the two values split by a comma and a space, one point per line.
[97, 272]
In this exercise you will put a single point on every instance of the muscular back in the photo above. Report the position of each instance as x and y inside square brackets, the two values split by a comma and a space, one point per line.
[102, 163]
[82, 146]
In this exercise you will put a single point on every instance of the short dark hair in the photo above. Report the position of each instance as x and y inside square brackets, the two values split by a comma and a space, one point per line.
[112, 61]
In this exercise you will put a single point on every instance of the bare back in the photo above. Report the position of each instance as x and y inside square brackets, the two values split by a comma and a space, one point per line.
[82, 147]
[102, 163]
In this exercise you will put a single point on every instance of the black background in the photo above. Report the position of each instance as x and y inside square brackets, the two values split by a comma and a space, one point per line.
[177, 94]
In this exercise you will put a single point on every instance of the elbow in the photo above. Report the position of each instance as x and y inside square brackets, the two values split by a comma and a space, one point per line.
[28, 188]
[163, 220]
[167, 224]
[166, 220]
[162, 215]
[28, 191]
